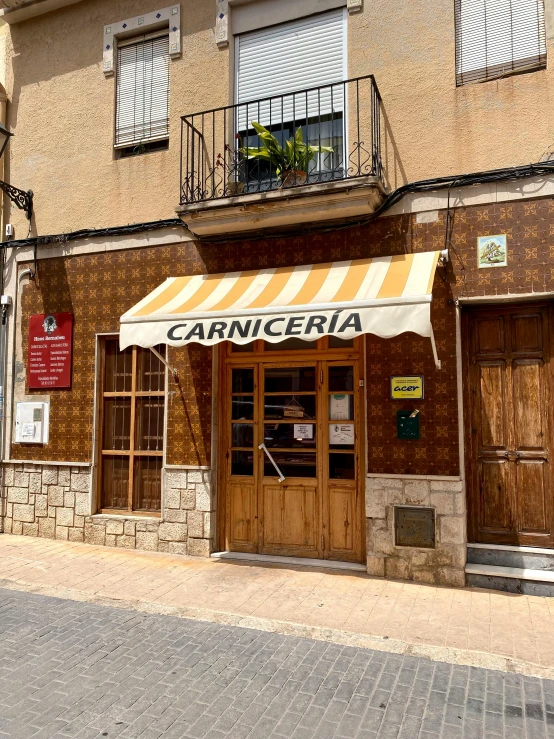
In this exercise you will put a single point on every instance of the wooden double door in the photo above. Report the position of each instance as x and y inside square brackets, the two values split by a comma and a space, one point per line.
[291, 452]
[509, 430]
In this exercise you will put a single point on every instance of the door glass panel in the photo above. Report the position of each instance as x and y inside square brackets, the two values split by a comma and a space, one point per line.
[237, 348]
[289, 379]
[288, 344]
[242, 463]
[243, 381]
[341, 378]
[243, 434]
[292, 464]
[336, 343]
[243, 408]
[117, 424]
[290, 406]
[341, 467]
[290, 435]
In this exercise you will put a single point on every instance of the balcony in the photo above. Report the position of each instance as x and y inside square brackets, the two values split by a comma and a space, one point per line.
[15, 11]
[323, 164]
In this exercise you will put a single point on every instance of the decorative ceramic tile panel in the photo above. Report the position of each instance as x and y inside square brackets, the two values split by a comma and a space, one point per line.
[166, 17]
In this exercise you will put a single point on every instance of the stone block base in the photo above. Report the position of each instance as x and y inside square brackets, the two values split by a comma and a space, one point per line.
[56, 502]
[442, 565]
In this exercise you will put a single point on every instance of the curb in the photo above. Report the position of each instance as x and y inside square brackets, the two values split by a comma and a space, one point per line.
[454, 656]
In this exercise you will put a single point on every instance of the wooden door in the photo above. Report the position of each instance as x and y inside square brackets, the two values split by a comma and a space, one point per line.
[291, 509]
[342, 504]
[509, 445]
[240, 392]
[307, 414]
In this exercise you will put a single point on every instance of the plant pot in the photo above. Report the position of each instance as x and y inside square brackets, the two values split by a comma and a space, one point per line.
[293, 177]
[234, 187]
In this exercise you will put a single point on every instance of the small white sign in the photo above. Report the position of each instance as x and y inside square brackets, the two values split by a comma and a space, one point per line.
[339, 409]
[303, 431]
[341, 433]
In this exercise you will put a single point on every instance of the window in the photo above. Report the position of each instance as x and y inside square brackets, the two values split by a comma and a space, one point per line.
[142, 99]
[280, 62]
[498, 37]
[132, 425]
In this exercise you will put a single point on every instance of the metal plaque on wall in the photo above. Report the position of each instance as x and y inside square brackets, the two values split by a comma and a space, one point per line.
[414, 527]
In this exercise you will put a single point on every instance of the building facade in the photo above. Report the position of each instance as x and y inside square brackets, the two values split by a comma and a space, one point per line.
[341, 353]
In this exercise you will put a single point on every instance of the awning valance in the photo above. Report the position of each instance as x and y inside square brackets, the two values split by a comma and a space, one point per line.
[384, 296]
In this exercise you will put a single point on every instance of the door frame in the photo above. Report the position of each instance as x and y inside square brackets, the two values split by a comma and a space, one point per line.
[322, 352]
[470, 451]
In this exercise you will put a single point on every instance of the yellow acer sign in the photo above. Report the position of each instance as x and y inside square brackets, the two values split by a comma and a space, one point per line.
[402, 388]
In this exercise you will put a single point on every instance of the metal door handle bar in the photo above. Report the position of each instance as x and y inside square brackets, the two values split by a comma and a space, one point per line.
[273, 462]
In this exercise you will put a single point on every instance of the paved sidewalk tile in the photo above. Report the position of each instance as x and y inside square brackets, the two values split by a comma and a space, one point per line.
[84, 671]
[428, 619]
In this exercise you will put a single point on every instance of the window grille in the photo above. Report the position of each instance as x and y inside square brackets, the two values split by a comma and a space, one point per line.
[132, 427]
[498, 37]
[142, 100]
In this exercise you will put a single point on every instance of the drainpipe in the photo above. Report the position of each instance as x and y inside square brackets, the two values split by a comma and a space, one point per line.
[5, 302]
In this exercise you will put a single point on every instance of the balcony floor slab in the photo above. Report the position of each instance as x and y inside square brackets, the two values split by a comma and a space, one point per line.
[284, 208]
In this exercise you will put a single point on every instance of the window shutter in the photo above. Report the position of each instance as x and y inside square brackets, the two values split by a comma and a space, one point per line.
[497, 37]
[142, 91]
[293, 56]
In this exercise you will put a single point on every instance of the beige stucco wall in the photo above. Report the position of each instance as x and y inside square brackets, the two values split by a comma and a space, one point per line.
[62, 107]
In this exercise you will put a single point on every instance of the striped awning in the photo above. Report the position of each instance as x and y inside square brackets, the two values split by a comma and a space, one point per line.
[384, 296]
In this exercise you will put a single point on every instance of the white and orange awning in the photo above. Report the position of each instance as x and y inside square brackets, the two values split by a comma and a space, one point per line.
[384, 296]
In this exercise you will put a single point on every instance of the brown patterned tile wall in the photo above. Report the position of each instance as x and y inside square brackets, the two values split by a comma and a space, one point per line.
[529, 227]
[99, 288]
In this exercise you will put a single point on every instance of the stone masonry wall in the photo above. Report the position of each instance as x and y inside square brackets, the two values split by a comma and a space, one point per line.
[443, 565]
[55, 502]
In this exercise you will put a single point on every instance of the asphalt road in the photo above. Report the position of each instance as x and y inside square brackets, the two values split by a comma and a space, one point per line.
[83, 671]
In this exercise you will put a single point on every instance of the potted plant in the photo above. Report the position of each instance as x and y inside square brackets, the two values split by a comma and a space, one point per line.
[290, 161]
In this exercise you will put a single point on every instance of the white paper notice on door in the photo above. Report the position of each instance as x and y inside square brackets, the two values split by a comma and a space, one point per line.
[341, 433]
[303, 431]
[339, 408]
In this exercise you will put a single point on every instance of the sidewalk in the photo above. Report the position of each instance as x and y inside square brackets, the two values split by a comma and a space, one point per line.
[514, 633]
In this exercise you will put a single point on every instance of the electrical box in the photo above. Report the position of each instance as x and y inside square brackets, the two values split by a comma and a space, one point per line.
[32, 422]
[407, 424]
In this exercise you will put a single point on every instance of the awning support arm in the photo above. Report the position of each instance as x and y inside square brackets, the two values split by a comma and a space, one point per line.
[164, 361]
[434, 347]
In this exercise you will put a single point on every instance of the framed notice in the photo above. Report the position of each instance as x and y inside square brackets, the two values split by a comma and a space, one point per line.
[341, 433]
[339, 407]
[409, 386]
[50, 353]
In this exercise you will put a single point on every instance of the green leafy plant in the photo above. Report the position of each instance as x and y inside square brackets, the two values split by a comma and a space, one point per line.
[294, 156]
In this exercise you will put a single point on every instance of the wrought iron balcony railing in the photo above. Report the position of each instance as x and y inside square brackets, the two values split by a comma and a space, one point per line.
[341, 123]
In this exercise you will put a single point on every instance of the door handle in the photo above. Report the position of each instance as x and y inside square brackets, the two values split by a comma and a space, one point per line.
[273, 462]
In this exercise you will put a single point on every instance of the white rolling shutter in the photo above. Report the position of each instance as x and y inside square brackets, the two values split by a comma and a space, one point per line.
[142, 112]
[497, 37]
[287, 58]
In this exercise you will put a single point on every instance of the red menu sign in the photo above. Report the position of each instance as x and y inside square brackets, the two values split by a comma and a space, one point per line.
[50, 350]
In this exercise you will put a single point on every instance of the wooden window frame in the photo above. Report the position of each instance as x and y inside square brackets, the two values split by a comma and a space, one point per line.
[132, 454]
